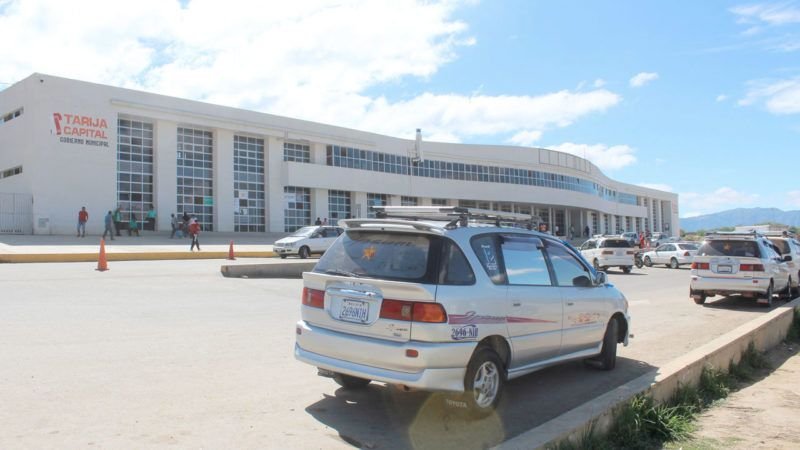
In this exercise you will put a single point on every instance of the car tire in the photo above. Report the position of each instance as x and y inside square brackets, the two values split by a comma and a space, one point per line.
[626, 269]
[350, 382]
[673, 263]
[484, 382]
[796, 290]
[283, 256]
[786, 294]
[607, 359]
[303, 252]
[648, 262]
[768, 295]
[596, 265]
[699, 297]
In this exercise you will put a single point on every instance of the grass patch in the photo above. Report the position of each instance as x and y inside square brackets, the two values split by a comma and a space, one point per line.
[643, 424]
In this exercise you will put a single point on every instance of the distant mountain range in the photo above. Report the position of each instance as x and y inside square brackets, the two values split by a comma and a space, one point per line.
[740, 216]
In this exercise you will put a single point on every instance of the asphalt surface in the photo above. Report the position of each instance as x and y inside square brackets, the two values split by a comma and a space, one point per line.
[170, 353]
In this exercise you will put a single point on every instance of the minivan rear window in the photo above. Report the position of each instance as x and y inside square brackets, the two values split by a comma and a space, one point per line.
[385, 255]
[615, 243]
[747, 249]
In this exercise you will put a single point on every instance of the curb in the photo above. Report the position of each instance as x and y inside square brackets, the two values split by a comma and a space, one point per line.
[139, 256]
[282, 270]
[598, 414]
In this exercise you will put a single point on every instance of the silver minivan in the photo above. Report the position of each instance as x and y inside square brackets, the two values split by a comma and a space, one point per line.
[440, 300]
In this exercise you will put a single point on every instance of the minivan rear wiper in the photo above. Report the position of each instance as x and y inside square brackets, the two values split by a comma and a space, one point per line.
[342, 272]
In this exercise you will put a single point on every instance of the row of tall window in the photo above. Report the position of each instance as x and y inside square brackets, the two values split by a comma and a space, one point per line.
[354, 158]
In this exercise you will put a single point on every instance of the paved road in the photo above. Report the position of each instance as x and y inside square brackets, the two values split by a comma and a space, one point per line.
[169, 353]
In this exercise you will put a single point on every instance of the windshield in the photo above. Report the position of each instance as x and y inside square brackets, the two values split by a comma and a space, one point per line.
[392, 256]
[688, 246]
[304, 232]
[729, 248]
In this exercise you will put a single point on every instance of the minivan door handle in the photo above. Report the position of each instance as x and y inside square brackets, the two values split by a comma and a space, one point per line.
[570, 304]
[517, 304]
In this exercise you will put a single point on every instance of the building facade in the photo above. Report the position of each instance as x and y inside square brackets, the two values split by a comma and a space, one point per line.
[65, 144]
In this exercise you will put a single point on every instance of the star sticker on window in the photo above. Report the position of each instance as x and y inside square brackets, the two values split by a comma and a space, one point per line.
[368, 253]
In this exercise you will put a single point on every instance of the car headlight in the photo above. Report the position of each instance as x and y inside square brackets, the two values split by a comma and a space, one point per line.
[289, 245]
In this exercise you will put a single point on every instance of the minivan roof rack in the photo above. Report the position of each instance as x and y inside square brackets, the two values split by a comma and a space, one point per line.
[752, 233]
[456, 215]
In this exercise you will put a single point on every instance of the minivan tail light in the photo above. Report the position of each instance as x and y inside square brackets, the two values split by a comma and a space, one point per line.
[413, 311]
[429, 312]
[751, 267]
[396, 310]
[313, 298]
[700, 266]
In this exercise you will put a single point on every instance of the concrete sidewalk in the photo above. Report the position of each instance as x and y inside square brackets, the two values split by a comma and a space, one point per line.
[149, 246]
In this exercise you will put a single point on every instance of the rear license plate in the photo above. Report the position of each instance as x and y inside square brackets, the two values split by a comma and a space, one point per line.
[723, 269]
[354, 311]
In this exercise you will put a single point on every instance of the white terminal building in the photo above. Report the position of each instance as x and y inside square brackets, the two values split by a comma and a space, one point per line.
[65, 144]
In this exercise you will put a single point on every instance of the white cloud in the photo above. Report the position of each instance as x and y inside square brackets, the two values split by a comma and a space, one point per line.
[774, 14]
[657, 186]
[722, 97]
[525, 138]
[598, 83]
[320, 60]
[779, 97]
[793, 198]
[603, 156]
[721, 199]
[642, 78]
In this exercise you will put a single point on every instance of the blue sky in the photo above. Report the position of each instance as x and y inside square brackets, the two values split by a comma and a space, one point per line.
[699, 98]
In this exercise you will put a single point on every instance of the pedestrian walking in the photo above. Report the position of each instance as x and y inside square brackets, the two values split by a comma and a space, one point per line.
[133, 226]
[186, 219]
[83, 217]
[109, 221]
[194, 232]
[118, 219]
[318, 221]
[151, 218]
[587, 231]
[176, 228]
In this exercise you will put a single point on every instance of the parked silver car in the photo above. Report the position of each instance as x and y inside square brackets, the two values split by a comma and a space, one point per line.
[440, 300]
[307, 241]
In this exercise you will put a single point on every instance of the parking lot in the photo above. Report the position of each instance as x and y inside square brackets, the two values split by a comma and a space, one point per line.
[170, 352]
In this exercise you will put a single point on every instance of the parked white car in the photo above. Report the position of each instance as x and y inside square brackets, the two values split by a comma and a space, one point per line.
[307, 241]
[789, 246]
[443, 303]
[739, 263]
[609, 251]
[671, 255]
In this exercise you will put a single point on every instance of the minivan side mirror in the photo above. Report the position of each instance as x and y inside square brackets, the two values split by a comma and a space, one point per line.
[600, 279]
[787, 258]
[581, 281]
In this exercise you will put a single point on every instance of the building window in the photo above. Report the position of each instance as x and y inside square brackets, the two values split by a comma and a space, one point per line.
[376, 200]
[11, 172]
[338, 205]
[195, 175]
[296, 152]
[297, 209]
[248, 184]
[408, 201]
[353, 158]
[439, 201]
[7, 117]
[134, 168]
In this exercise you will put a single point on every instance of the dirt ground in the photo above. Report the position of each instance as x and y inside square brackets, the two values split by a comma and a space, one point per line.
[762, 415]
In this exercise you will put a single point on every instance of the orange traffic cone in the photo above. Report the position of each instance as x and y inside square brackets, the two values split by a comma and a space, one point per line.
[230, 252]
[102, 264]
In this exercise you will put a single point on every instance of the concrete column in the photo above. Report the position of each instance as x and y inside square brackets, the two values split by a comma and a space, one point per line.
[165, 181]
[393, 200]
[319, 204]
[273, 162]
[223, 180]
[360, 207]
[319, 154]
[658, 224]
